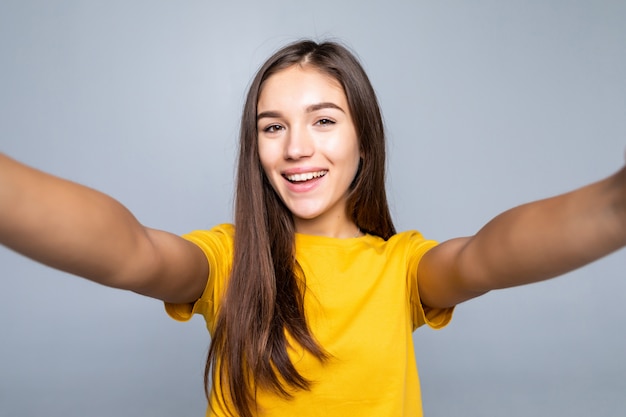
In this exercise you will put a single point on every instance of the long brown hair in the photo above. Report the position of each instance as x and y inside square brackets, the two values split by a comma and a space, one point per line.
[265, 294]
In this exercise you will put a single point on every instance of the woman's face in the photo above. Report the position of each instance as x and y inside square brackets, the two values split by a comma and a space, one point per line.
[309, 148]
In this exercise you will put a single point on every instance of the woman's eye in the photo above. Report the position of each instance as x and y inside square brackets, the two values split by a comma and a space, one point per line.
[325, 122]
[272, 128]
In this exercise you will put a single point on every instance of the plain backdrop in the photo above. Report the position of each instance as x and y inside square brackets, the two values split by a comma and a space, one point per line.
[488, 104]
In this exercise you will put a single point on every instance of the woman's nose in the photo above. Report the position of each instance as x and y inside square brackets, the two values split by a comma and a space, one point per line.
[299, 144]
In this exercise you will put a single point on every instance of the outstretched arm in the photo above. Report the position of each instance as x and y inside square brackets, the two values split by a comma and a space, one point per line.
[82, 231]
[529, 243]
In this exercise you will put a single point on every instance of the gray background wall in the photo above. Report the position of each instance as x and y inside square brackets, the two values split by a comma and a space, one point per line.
[488, 104]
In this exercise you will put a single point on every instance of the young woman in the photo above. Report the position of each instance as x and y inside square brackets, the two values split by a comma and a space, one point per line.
[312, 263]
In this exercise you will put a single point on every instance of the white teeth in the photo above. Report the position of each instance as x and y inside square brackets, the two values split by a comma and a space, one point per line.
[305, 176]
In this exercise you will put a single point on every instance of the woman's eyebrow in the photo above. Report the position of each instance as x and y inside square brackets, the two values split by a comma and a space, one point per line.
[269, 114]
[324, 105]
[309, 109]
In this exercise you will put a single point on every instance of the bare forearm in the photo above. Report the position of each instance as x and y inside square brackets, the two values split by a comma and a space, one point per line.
[63, 224]
[529, 243]
[547, 238]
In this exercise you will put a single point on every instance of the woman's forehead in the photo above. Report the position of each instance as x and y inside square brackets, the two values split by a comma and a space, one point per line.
[299, 84]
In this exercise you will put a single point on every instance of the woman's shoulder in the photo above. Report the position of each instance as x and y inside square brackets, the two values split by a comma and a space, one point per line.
[226, 230]
[219, 239]
[407, 235]
[411, 243]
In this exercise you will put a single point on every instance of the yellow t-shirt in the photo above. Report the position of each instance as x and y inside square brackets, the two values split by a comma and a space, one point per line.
[362, 305]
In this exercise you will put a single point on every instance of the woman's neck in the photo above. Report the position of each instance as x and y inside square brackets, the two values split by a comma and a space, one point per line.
[338, 229]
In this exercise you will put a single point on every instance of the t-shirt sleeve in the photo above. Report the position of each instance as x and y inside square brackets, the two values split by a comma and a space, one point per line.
[435, 318]
[217, 246]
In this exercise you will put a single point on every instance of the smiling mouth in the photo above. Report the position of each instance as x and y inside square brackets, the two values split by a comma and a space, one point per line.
[304, 177]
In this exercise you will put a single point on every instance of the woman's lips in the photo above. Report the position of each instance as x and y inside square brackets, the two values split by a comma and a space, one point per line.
[304, 176]
[300, 182]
